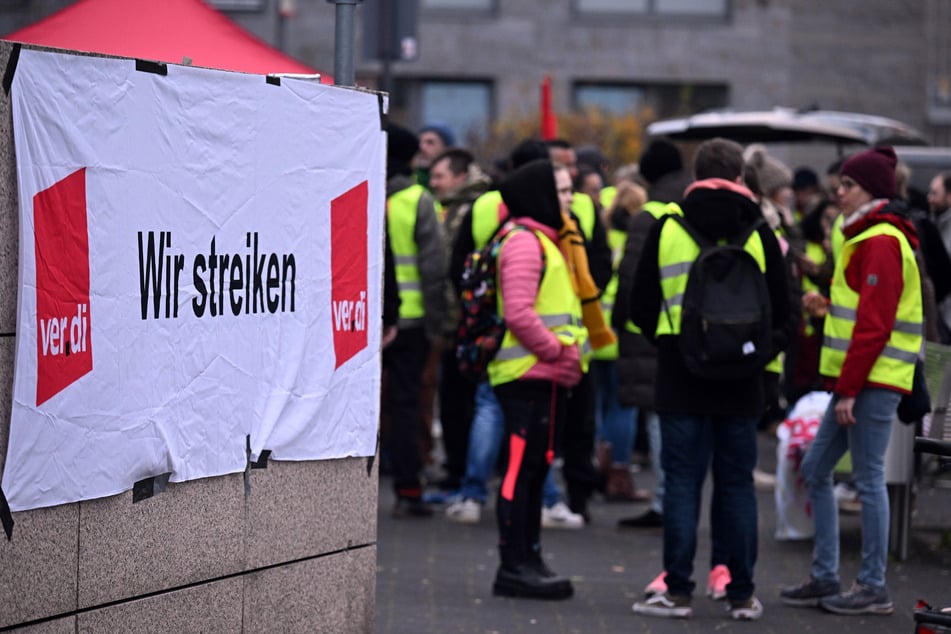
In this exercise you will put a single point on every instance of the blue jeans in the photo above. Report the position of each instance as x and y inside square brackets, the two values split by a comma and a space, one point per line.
[616, 424]
[485, 440]
[688, 444]
[867, 439]
[653, 437]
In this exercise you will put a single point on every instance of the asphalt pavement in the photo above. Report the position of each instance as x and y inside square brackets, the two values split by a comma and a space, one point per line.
[436, 576]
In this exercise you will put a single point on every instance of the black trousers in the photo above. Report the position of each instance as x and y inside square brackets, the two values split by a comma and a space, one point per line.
[577, 448]
[404, 360]
[456, 408]
[530, 436]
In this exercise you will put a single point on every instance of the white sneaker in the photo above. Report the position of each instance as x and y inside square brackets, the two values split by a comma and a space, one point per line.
[749, 610]
[847, 498]
[466, 511]
[560, 516]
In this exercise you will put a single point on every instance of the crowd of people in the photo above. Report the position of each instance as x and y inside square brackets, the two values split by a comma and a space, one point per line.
[616, 290]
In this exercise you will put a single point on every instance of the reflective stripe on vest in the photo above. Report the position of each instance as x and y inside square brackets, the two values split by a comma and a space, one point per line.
[560, 311]
[895, 366]
[485, 217]
[401, 209]
[616, 240]
[677, 252]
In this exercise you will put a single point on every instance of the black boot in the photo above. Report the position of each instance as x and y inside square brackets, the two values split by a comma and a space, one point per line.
[530, 580]
[650, 519]
[527, 582]
[536, 561]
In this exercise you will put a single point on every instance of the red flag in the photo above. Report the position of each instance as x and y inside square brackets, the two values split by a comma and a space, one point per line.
[549, 128]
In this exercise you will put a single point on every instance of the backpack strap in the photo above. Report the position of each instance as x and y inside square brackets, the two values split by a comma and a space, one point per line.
[753, 228]
[513, 227]
[737, 240]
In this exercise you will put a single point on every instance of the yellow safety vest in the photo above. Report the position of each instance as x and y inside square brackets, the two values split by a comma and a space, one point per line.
[583, 207]
[895, 366]
[677, 252]
[616, 240]
[401, 210]
[658, 210]
[485, 217]
[607, 196]
[837, 238]
[560, 311]
[816, 253]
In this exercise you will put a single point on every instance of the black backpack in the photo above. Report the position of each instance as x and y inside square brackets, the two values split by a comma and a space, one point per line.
[481, 328]
[726, 321]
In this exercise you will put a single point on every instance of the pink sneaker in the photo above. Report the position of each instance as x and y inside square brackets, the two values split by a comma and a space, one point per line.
[657, 586]
[717, 582]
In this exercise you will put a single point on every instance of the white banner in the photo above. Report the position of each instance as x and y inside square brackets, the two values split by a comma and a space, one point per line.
[200, 262]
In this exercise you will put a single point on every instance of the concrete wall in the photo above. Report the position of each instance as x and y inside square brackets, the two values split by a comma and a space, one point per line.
[294, 552]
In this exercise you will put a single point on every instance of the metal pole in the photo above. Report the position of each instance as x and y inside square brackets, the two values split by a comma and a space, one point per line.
[386, 47]
[343, 41]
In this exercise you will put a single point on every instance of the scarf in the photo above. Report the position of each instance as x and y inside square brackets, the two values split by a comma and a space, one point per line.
[572, 245]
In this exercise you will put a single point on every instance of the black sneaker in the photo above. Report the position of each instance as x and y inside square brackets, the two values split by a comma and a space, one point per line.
[666, 606]
[810, 592]
[411, 507]
[859, 599]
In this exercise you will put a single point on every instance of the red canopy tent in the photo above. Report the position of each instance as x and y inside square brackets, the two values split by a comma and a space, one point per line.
[166, 31]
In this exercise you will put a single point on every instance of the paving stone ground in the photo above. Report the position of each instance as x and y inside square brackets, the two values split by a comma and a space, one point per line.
[436, 576]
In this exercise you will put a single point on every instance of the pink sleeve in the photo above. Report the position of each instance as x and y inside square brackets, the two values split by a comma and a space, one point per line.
[520, 269]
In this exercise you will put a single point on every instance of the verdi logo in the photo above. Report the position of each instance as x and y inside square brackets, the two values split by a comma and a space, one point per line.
[63, 321]
[348, 255]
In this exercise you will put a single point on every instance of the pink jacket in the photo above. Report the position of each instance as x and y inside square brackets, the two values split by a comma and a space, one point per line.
[520, 270]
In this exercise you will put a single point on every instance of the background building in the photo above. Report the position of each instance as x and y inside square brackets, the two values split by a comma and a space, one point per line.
[480, 61]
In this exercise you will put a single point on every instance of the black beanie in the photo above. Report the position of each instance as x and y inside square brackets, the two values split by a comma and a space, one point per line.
[874, 171]
[401, 147]
[661, 157]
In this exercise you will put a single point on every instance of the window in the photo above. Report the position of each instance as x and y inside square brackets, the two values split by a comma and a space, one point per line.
[465, 106]
[238, 5]
[690, 8]
[465, 5]
[664, 100]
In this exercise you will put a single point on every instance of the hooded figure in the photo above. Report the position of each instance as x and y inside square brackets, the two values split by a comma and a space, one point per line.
[530, 192]
[538, 359]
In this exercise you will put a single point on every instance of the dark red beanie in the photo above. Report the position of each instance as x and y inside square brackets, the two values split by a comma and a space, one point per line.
[874, 171]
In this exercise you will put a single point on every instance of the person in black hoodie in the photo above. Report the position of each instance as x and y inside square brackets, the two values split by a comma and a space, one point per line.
[703, 418]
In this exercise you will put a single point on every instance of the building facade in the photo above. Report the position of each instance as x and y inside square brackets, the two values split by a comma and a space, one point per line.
[481, 60]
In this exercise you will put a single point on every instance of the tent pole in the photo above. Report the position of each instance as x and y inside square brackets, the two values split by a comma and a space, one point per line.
[344, 30]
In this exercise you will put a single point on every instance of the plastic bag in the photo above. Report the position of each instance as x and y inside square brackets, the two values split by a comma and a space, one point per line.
[793, 510]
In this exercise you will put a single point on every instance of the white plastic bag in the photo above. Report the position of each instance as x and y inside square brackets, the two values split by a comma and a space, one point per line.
[793, 511]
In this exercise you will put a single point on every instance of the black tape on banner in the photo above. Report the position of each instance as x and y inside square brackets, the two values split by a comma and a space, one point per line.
[383, 116]
[6, 518]
[273, 80]
[147, 66]
[261, 462]
[11, 69]
[146, 488]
